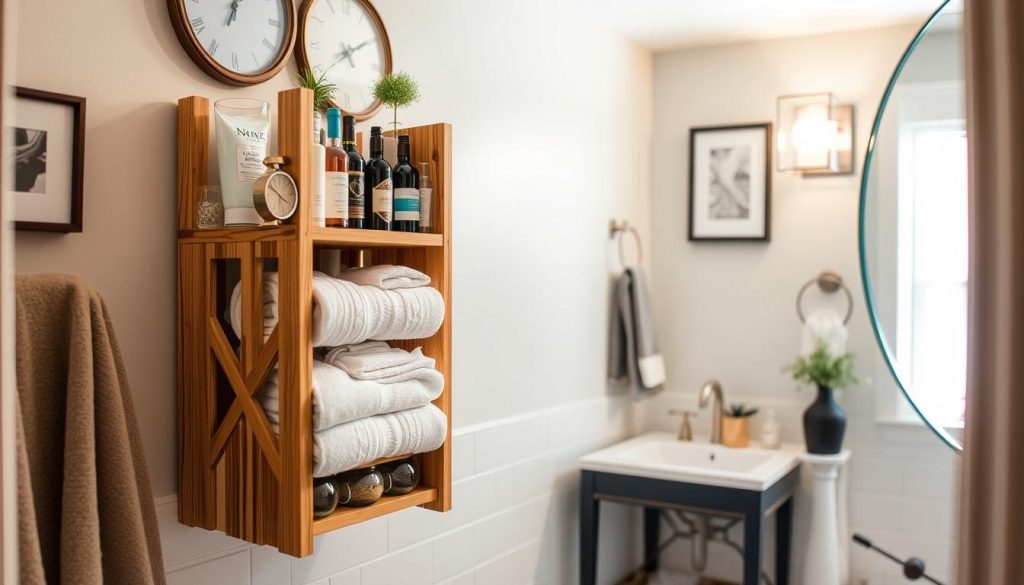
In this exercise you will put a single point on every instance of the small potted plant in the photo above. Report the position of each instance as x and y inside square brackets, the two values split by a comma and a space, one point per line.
[396, 90]
[736, 425]
[323, 90]
[824, 419]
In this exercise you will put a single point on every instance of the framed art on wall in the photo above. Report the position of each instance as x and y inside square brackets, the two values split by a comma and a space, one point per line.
[730, 183]
[48, 139]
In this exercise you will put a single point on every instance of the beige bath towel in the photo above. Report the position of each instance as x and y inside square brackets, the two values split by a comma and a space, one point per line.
[87, 506]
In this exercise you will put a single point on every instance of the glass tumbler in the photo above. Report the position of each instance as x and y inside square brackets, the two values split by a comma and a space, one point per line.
[210, 209]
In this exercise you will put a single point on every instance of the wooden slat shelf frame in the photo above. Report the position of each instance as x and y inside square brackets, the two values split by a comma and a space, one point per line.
[235, 474]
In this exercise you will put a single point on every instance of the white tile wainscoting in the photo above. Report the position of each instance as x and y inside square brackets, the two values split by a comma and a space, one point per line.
[513, 521]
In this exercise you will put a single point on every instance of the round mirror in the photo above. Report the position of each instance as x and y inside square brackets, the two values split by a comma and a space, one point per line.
[913, 228]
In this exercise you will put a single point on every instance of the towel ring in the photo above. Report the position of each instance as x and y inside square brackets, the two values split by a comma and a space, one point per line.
[828, 282]
[616, 229]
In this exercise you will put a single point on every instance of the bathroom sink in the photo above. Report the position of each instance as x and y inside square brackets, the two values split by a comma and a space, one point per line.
[662, 456]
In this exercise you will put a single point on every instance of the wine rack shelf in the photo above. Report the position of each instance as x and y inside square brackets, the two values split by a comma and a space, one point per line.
[235, 474]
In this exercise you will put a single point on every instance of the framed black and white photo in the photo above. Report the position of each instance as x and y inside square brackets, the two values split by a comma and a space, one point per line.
[730, 182]
[48, 151]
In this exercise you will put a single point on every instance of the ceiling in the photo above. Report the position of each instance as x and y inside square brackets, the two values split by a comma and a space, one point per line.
[668, 24]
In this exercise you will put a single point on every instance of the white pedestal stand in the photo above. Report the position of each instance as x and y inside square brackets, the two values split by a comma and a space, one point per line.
[822, 561]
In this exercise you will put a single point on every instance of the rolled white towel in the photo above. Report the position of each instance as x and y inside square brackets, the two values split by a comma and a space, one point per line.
[345, 313]
[357, 443]
[338, 399]
[386, 276]
[379, 362]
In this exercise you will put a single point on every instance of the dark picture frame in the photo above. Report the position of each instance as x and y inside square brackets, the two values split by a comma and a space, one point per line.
[77, 160]
[727, 202]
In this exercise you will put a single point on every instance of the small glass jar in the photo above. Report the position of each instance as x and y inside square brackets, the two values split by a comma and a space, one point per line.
[325, 497]
[401, 477]
[210, 208]
[360, 487]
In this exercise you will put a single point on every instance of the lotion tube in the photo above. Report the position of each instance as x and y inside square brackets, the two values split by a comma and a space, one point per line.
[243, 130]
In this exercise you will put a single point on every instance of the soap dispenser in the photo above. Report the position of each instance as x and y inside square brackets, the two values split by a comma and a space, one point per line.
[770, 431]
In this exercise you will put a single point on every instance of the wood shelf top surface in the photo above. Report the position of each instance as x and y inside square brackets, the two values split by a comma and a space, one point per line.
[322, 237]
[346, 237]
[343, 516]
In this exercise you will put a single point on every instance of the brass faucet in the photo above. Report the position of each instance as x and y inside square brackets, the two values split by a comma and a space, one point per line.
[685, 430]
[713, 389]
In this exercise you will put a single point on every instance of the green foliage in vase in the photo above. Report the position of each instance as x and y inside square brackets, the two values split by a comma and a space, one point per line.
[740, 410]
[821, 367]
[396, 90]
[323, 92]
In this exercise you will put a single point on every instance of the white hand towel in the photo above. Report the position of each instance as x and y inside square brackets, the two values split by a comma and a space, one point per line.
[357, 443]
[338, 399]
[386, 276]
[826, 327]
[379, 362]
[345, 313]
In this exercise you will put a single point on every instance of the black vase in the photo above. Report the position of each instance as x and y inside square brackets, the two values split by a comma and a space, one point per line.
[824, 424]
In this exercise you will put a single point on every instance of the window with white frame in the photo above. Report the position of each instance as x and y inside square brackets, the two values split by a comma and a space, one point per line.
[932, 289]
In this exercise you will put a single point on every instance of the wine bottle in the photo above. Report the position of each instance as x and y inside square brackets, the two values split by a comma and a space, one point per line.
[379, 204]
[356, 180]
[426, 198]
[319, 175]
[336, 166]
[407, 194]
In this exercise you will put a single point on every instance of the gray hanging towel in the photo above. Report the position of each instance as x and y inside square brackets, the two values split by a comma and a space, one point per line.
[632, 348]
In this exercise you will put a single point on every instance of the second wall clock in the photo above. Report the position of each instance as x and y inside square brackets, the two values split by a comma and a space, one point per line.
[345, 41]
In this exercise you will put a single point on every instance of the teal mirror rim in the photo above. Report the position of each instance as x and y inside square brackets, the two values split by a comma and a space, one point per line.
[887, 353]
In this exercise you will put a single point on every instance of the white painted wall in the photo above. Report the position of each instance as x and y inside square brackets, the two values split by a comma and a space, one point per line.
[730, 306]
[551, 120]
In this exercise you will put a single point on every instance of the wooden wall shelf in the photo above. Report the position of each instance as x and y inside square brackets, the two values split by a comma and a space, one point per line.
[235, 475]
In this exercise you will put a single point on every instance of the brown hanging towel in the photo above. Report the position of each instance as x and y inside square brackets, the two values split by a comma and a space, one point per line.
[87, 512]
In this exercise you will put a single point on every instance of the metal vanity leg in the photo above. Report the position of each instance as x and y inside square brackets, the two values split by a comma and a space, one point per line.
[753, 524]
[589, 522]
[652, 524]
[783, 537]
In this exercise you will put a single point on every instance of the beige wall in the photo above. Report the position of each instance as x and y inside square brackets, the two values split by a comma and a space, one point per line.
[731, 305]
[551, 126]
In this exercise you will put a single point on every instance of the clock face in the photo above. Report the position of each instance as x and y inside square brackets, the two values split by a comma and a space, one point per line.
[243, 38]
[345, 40]
[281, 196]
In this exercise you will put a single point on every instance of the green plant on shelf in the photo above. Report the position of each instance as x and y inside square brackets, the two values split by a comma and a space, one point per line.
[323, 90]
[740, 410]
[396, 90]
[824, 369]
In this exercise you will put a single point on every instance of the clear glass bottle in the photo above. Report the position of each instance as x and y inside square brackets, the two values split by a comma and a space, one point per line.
[426, 198]
[337, 173]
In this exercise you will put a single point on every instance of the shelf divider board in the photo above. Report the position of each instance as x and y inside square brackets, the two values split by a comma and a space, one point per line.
[259, 488]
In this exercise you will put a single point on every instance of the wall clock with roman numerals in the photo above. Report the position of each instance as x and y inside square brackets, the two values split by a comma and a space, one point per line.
[239, 42]
[346, 41]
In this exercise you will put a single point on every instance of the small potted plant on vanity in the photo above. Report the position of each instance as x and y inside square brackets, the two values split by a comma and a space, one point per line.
[736, 425]
[824, 419]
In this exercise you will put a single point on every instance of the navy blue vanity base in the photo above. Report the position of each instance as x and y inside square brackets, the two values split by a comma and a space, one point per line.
[753, 507]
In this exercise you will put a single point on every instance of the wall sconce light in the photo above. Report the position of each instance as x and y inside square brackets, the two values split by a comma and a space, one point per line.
[815, 135]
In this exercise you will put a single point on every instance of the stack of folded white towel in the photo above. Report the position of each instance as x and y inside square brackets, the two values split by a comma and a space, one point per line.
[370, 400]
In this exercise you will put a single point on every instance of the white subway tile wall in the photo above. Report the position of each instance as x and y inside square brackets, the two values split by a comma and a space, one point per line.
[513, 521]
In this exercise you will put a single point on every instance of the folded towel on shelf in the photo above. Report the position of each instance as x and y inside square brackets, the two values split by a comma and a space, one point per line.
[338, 398]
[357, 443]
[377, 361]
[345, 313]
[386, 276]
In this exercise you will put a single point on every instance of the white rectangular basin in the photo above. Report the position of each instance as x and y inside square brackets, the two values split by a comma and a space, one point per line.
[663, 456]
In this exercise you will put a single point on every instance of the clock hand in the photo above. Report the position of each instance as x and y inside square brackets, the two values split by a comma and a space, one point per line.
[234, 12]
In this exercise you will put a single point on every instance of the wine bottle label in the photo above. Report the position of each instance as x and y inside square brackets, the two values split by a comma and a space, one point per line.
[382, 199]
[425, 200]
[356, 197]
[337, 195]
[407, 204]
